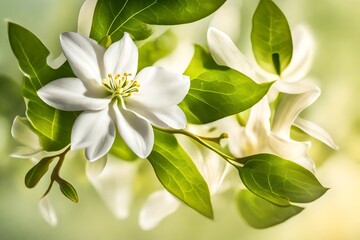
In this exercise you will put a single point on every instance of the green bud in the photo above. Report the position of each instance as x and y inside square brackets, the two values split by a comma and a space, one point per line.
[34, 175]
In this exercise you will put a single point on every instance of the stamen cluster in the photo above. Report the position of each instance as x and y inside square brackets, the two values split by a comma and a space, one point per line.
[120, 86]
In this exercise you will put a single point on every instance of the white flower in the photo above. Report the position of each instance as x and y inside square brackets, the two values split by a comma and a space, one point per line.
[109, 92]
[259, 136]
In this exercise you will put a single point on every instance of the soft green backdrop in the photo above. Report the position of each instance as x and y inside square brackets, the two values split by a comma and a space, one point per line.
[335, 26]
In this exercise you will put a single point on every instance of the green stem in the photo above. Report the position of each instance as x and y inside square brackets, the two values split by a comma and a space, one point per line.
[200, 140]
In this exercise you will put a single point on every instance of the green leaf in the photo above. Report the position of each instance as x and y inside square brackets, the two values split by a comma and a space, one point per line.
[154, 50]
[217, 94]
[271, 38]
[279, 181]
[11, 95]
[54, 124]
[34, 175]
[260, 213]
[178, 174]
[121, 150]
[68, 190]
[114, 17]
[217, 91]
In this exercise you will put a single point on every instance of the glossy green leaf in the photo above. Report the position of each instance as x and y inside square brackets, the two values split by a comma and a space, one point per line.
[54, 124]
[154, 50]
[217, 94]
[260, 213]
[114, 17]
[34, 175]
[68, 190]
[217, 91]
[178, 174]
[279, 181]
[271, 38]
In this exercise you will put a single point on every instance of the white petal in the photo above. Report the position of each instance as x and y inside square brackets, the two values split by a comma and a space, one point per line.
[171, 117]
[210, 165]
[121, 57]
[86, 16]
[257, 127]
[23, 133]
[315, 131]
[303, 56]
[94, 169]
[289, 108]
[95, 131]
[70, 94]
[287, 148]
[306, 162]
[85, 57]
[298, 87]
[224, 52]
[135, 131]
[215, 172]
[160, 88]
[114, 185]
[47, 211]
[158, 206]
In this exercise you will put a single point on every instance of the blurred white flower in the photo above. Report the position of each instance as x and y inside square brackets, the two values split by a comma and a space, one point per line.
[109, 92]
[113, 180]
[47, 211]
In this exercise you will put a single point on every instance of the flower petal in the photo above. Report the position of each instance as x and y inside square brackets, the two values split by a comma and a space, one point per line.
[315, 131]
[258, 124]
[158, 206]
[287, 148]
[114, 184]
[121, 57]
[47, 211]
[303, 56]
[171, 117]
[85, 57]
[94, 169]
[70, 94]
[135, 131]
[224, 52]
[294, 87]
[95, 131]
[289, 108]
[306, 162]
[160, 88]
[85, 17]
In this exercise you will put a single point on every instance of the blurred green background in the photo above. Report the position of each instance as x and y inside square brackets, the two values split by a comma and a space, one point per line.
[335, 26]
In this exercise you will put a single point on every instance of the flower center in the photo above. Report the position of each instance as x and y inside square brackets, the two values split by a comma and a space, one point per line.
[120, 86]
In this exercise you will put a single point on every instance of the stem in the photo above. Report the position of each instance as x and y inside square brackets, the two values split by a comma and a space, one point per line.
[56, 170]
[55, 173]
[200, 140]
